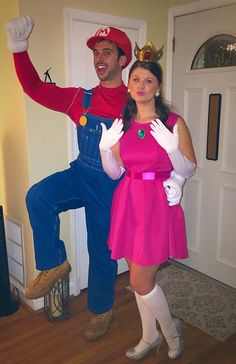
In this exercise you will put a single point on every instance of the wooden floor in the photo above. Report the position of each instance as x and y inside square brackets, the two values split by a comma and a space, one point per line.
[28, 338]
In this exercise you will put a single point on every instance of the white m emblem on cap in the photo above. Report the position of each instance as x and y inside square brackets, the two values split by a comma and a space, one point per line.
[102, 32]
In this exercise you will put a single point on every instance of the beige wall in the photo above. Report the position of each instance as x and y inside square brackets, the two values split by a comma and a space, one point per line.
[34, 141]
[173, 3]
[14, 177]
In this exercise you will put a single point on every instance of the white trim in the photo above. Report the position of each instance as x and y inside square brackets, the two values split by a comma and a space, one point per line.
[174, 12]
[70, 15]
[100, 18]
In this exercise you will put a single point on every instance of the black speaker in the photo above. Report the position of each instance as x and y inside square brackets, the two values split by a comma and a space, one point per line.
[8, 305]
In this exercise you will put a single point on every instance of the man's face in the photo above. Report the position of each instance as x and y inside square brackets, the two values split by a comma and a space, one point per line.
[107, 65]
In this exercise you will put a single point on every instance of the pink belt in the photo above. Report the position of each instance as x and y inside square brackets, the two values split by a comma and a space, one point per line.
[148, 175]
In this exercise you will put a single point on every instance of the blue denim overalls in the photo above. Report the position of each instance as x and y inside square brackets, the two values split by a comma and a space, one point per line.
[84, 184]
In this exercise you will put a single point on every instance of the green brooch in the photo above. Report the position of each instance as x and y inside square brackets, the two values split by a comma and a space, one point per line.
[141, 133]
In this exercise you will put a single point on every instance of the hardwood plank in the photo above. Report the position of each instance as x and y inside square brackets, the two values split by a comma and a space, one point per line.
[28, 338]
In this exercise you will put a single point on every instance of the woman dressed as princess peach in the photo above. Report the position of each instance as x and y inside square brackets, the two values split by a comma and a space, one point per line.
[148, 146]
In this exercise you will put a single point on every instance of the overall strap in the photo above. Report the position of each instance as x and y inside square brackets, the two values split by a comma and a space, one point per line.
[87, 98]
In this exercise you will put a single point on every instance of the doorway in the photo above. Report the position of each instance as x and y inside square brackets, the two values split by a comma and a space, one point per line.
[210, 195]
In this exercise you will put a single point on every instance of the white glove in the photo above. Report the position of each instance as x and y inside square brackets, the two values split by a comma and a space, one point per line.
[169, 141]
[174, 188]
[109, 138]
[18, 31]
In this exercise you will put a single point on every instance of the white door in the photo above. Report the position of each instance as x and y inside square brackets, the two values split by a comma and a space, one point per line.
[210, 195]
[80, 25]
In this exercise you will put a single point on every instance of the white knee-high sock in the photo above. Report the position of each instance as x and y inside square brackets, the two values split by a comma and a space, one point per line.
[150, 332]
[157, 303]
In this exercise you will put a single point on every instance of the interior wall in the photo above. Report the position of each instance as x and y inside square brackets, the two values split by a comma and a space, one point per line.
[14, 178]
[173, 3]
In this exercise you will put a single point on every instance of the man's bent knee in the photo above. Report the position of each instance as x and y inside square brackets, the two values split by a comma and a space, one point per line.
[34, 195]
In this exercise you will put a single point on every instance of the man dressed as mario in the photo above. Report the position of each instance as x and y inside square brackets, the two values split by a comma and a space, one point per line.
[84, 183]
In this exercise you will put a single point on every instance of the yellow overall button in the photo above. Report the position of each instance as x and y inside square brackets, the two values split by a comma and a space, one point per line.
[83, 120]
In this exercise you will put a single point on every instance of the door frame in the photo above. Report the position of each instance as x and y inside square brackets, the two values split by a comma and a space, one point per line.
[181, 10]
[71, 14]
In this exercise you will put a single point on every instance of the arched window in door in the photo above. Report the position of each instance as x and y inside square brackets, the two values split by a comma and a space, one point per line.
[218, 51]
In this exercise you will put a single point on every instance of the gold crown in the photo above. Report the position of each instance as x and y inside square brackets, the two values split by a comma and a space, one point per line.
[148, 53]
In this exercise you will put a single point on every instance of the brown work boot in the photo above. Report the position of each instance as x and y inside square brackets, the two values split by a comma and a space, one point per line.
[46, 279]
[99, 325]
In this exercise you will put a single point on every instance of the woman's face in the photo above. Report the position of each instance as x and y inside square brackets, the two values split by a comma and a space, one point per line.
[143, 85]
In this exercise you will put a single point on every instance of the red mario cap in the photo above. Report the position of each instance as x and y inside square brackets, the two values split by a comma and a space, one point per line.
[116, 36]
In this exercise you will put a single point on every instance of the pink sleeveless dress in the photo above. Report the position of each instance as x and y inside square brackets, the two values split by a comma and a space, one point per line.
[144, 228]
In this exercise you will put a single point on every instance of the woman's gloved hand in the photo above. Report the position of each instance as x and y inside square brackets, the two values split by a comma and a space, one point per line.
[111, 136]
[170, 141]
[167, 140]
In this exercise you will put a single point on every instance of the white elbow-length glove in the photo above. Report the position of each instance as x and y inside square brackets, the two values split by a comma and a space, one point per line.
[18, 32]
[109, 138]
[169, 141]
[174, 188]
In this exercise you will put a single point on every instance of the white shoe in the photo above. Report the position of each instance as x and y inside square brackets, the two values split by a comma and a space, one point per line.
[136, 355]
[175, 353]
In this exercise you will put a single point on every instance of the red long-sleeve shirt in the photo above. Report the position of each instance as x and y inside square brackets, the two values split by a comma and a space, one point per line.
[106, 102]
